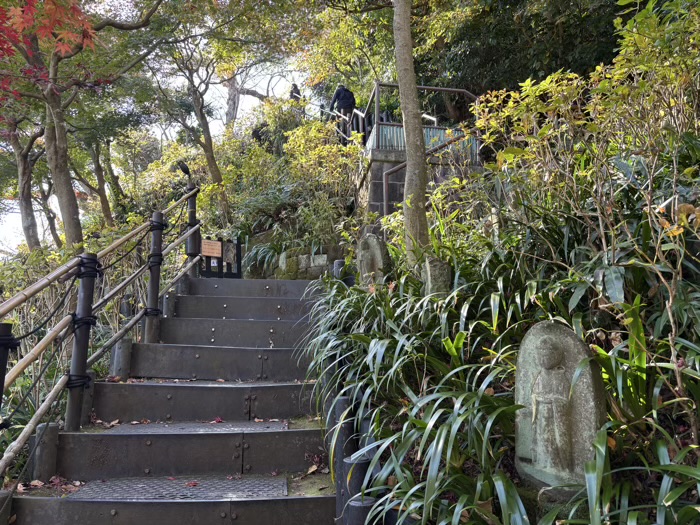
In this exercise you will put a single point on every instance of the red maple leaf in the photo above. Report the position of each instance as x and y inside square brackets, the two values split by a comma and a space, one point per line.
[44, 32]
[63, 48]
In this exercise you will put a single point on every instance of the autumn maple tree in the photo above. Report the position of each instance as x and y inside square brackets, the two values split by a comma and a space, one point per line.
[36, 40]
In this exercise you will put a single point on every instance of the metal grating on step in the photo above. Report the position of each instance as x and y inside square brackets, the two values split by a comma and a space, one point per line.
[201, 488]
[194, 427]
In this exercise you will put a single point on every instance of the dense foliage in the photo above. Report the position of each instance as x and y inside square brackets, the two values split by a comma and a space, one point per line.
[587, 214]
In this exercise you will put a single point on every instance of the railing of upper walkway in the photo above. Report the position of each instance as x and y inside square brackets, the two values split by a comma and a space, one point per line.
[389, 136]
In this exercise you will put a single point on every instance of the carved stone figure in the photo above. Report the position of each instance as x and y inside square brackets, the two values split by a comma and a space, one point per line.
[437, 276]
[551, 436]
[555, 430]
[373, 259]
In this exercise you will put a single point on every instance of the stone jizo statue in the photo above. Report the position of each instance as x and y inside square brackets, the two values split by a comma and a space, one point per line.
[551, 435]
[555, 430]
[373, 259]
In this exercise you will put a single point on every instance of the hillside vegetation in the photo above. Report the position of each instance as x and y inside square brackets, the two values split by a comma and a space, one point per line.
[586, 212]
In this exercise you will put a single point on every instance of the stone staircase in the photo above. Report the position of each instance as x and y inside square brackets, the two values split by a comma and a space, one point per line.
[214, 424]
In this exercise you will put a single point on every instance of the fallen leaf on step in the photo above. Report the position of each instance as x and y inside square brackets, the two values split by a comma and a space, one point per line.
[216, 420]
[36, 484]
[145, 421]
[21, 488]
[56, 480]
[77, 483]
[325, 470]
[136, 422]
[258, 420]
[13, 519]
[274, 473]
[191, 483]
[220, 380]
[113, 379]
[312, 469]
[273, 420]
[323, 488]
[171, 479]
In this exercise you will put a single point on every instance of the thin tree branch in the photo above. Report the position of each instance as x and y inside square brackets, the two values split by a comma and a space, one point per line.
[116, 24]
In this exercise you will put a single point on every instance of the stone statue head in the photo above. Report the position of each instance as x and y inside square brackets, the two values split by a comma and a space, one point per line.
[550, 355]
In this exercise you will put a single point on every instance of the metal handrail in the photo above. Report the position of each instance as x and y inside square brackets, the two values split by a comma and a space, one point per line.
[116, 338]
[29, 292]
[116, 244]
[134, 321]
[115, 291]
[21, 297]
[16, 446]
[180, 201]
[399, 167]
[371, 98]
[436, 88]
[79, 323]
[59, 330]
[177, 242]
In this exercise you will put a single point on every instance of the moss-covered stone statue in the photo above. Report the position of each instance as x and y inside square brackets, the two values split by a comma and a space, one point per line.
[555, 431]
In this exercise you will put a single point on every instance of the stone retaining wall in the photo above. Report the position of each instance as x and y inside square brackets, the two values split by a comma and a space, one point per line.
[297, 264]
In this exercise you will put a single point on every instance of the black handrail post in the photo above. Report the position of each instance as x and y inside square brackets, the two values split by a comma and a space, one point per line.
[239, 258]
[194, 240]
[220, 259]
[78, 380]
[155, 261]
[7, 343]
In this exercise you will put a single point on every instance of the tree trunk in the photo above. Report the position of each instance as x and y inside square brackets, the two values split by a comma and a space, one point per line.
[233, 100]
[94, 150]
[208, 143]
[415, 218]
[113, 179]
[56, 139]
[50, 216]
[24, 189]
[26, 207]
[208, 147]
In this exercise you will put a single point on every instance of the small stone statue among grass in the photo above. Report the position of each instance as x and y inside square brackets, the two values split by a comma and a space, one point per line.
[562, 413]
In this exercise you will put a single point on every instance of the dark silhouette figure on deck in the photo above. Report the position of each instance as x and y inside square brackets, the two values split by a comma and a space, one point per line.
[344, 101]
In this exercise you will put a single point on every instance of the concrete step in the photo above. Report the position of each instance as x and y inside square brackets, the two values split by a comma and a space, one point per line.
[184, 500]
[248, 287]
[177, 400]
[188, 448]
[231, 332]
[216, 362]
[258, 308]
